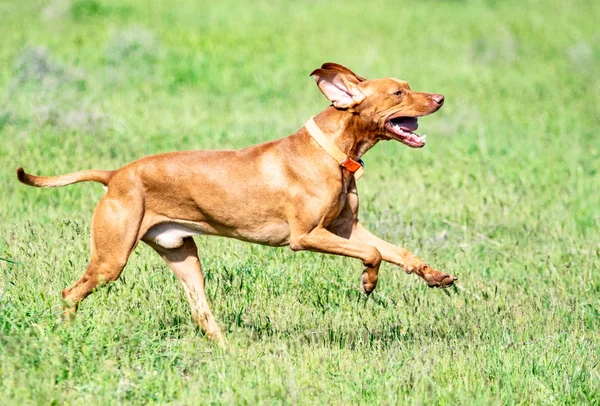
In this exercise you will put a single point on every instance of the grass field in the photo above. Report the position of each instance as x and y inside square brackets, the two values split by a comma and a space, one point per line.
[506, 196]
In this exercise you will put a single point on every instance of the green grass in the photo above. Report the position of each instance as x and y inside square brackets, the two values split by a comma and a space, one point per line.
[506, 196]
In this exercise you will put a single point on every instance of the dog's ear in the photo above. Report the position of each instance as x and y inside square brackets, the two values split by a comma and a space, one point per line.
[339, 84]
[341, 69]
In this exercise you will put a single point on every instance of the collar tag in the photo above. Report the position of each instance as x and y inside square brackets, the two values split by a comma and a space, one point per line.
[351, 165]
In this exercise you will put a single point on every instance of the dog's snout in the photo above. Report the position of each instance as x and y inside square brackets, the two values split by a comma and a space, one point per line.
[438, 98]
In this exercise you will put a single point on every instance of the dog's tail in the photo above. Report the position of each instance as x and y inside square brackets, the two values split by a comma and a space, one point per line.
[63, 180]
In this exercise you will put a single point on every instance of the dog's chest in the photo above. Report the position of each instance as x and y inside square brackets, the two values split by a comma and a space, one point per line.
[345, 202]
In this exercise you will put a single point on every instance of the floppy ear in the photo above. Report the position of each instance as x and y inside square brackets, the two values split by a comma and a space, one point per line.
[339, 84]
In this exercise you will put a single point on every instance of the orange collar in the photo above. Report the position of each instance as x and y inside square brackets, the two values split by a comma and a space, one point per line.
[344, 160]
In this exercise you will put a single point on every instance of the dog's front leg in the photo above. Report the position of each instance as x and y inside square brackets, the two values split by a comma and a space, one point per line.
[322, 240]
[402, 257]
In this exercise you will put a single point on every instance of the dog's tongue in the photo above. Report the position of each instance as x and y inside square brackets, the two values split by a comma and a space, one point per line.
[407, 123]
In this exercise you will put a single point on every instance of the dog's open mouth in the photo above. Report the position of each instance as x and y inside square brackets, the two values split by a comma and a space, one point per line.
[402, 129]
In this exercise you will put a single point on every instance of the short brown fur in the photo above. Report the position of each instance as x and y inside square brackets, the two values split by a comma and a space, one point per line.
[287, 192]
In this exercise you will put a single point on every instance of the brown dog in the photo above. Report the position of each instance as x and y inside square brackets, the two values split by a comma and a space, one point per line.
[298, 191]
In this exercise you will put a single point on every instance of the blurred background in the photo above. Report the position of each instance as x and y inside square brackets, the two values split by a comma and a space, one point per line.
[100, 83]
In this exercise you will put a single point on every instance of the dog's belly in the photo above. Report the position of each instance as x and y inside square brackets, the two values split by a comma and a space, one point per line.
[171, 234]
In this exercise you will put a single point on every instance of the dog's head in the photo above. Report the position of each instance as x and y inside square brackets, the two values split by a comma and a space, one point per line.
[387, 107]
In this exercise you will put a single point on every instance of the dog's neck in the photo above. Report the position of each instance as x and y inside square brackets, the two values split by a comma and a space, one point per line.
[347, 131]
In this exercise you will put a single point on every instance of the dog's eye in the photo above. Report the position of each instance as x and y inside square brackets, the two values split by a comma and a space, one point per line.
[398, 93]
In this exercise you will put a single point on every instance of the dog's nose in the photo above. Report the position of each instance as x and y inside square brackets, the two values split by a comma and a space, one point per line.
[438, 98]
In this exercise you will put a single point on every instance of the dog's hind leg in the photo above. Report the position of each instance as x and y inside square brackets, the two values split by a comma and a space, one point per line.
[115, 227]
[185, 264]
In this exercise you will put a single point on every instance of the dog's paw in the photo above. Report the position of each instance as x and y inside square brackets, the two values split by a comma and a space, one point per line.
[218, 338]
[368, 283]
[437, 279]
